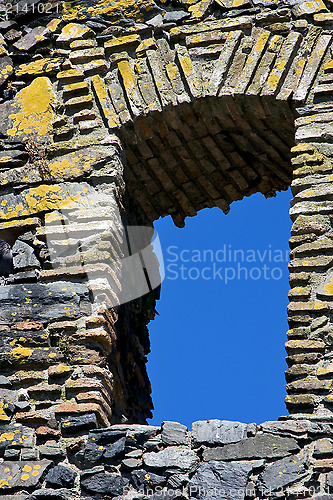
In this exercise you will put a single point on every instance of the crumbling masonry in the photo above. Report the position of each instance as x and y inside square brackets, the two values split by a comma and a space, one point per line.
[113, 114]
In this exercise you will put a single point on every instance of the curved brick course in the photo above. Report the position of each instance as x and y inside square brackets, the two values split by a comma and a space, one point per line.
[116, 114]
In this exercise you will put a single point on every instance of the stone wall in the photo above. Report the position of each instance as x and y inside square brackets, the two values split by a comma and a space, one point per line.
[114, 114]
[218, 460]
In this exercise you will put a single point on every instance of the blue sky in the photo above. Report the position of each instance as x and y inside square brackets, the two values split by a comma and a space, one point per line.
[218, 342]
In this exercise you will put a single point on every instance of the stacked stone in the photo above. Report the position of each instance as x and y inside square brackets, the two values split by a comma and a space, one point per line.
[218, 459]
[203, 96]
[61, 353]
[309, 347]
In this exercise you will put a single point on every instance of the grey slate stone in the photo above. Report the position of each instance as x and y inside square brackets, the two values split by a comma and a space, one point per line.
[155, 21]
[51, 449]
[29, 454]
[154, 444]
[289, 428]
[60, 477]
[22, 406]
[137, 429]
[330, 481]
[131, 463]
[175, 15]
[109, 484]
[74, 425]
[4, 381]
[15, 470]
[24, 257]
[142, 478]
[102, 448]
[12, 454]
[323, 448]
[260, 446]
[173, 433]
[217, 432]
[177, 481]
[282, 473]
[218, 480]
[173, 457]
[51, 494]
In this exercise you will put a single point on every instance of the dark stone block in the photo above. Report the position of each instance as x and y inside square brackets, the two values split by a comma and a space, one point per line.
[260, 446]
[173, 433]
[50, 494]
[12, 454]
[24, 257]
[76, 425]
[142, 478]
[225, 481]
[49, 299]
[282, 473]
[103, 449]
[61, 477]
[108, 484]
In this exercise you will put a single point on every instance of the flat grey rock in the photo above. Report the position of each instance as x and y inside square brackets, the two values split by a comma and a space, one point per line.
[24, 257]
[282, 473]
[173, 433]
[4, 381]
[218, 480]
[260, 446]
[172, 457]
[217, 432]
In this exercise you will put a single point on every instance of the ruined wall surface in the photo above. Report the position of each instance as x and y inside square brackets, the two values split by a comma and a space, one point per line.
[113, 114]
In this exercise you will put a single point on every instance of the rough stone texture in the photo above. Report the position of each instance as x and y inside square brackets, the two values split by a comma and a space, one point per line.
[260, 446]
[220, 479]
[145, 109]
[173, 433]
[217, 432]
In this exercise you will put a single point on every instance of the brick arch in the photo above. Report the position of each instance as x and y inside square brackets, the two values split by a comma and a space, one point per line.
[216, 105]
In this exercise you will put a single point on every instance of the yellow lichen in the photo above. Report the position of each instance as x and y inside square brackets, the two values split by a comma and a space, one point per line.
[34, 105]
[187, 65]
[126, 73]
[21, 352]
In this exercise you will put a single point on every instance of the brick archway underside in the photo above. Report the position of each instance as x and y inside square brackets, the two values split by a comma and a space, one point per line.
[124, 112]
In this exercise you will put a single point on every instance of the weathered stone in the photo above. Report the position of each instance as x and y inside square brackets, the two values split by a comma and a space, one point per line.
[260, 446]
[31, 40]
[175, 16]
[29, 454]
[51, 494]
[4, 381]
[15, 435]
[220, 480]
[74, 425]
[109, 484]
[103, 448]
[22, 474]
[12, 454]
[24, 257]
[217, 432]
[282, 473]
[173, 433]
[51, 450]
[323, 447]
[60, 477]
[131, 463]
[142, 478]
[175, 457]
